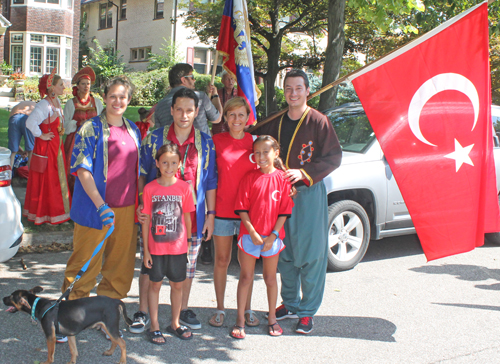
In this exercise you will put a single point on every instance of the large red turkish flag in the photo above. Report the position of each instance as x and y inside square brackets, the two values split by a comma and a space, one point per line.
[429, 105]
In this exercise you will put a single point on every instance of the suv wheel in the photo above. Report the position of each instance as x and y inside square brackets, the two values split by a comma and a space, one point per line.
[348, 235]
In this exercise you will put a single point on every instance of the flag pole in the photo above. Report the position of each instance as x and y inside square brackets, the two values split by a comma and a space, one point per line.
[320, 91]
[214, 67]
[336, 82]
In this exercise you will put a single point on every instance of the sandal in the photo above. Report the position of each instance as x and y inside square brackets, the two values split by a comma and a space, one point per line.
[155, 335]
[238, 332]
[251, 319]
[273, 331]
[179, 332]
[217, 319]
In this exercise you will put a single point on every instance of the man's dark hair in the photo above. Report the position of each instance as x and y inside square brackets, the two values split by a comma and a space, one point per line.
[177, 72]
[187, 93]
[297, 73]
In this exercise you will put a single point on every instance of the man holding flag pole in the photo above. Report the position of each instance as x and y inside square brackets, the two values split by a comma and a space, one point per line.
[431, 115]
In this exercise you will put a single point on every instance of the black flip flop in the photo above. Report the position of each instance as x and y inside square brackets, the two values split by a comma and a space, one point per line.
[156, 334]
[179, 332]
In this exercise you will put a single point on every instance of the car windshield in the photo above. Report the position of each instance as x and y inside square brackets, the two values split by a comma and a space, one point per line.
[353, 129]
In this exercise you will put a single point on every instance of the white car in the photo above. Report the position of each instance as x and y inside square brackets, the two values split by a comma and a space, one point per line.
[11, 227]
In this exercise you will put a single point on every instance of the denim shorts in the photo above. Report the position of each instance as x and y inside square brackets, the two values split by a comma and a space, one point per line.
[246, 244]
[223, 227]
[17, 129]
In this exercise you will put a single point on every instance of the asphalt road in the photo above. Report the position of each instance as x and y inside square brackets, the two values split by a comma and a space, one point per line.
[394, 307]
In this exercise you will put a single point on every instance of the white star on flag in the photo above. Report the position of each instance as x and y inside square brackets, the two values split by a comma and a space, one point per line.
[460, 155]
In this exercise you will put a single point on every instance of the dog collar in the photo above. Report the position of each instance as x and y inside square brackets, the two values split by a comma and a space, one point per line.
[33, 318]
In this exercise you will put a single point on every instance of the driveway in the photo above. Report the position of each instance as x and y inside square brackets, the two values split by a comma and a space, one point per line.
[394, 307]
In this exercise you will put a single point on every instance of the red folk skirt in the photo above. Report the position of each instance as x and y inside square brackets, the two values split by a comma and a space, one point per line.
[47, 197]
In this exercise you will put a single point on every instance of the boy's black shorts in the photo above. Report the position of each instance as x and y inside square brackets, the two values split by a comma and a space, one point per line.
[171, 266]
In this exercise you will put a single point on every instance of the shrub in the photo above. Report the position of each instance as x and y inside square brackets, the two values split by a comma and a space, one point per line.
[150, 87]
[6, 68]
[202, 81]
[280, 101]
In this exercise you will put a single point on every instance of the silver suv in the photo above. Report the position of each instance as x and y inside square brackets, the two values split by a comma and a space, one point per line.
[363, 196]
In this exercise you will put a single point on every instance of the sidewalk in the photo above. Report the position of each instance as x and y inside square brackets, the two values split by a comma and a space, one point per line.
[40, 238]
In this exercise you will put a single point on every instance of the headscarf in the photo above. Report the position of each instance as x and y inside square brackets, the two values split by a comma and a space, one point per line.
[86, 72]
[45, 83]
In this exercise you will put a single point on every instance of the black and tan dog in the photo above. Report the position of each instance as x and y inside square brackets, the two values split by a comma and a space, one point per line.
[73, 317]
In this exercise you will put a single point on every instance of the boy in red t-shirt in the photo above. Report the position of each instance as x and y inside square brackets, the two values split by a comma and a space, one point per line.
[168, 203]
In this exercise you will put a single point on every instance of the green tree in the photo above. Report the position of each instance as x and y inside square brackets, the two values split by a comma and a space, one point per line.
[168, 57]
[273, 24]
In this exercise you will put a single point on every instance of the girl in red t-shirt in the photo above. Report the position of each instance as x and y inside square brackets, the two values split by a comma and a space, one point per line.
[168, 203]
[263, 203]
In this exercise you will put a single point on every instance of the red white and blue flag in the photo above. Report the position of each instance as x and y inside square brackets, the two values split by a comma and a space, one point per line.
[429, 105]
[235, 46]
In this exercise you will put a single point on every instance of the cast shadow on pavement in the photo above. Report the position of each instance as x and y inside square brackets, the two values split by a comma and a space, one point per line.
[395, 247]
[465, 272]
[465, 305]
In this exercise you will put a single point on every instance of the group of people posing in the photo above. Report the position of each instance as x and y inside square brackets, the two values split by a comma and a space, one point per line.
[179, 185]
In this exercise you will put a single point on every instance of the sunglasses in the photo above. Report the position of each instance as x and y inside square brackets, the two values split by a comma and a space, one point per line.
[189, 76]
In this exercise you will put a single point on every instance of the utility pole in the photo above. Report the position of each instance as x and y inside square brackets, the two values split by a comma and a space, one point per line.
[117, 15]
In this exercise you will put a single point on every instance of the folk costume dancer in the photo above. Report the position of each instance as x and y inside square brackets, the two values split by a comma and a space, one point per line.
[311, 151]
[198, 168]
[47, 198]
[77, 110]
[106, 161]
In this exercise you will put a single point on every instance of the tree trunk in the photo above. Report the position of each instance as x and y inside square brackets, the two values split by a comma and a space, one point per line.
[334, 51]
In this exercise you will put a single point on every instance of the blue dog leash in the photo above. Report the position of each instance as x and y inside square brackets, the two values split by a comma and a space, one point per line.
[78, 276]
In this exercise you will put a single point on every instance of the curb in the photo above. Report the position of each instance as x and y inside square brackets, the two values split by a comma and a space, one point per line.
[62, 237]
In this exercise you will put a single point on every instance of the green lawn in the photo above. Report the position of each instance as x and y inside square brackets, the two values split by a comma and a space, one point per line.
[130, 114]
[4, 124]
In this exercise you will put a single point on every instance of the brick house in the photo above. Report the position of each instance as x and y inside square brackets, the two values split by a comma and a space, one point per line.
[142, 25]
[44, 34]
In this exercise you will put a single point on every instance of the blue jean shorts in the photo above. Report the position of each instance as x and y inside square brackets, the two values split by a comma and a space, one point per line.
[17, 129]
[223, 227]
[246, 244]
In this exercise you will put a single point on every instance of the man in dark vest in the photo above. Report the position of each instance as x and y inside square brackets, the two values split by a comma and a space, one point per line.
[311, 151]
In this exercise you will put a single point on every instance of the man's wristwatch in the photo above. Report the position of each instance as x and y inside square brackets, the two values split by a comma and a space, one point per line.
[211, 212]
[214, 96]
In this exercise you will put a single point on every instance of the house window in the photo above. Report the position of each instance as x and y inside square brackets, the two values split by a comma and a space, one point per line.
[36, 38]
[53, 39]
[48, 1]
[52, 59]
[17, 2]
[139, 54]
[68, 63]
[133, 54]
[16, 38]
[200, 60]
[70, 4]
[123, 9]
[17, 57]
[159, 8]
[68, 42]
[105, 16]
[36, 59]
